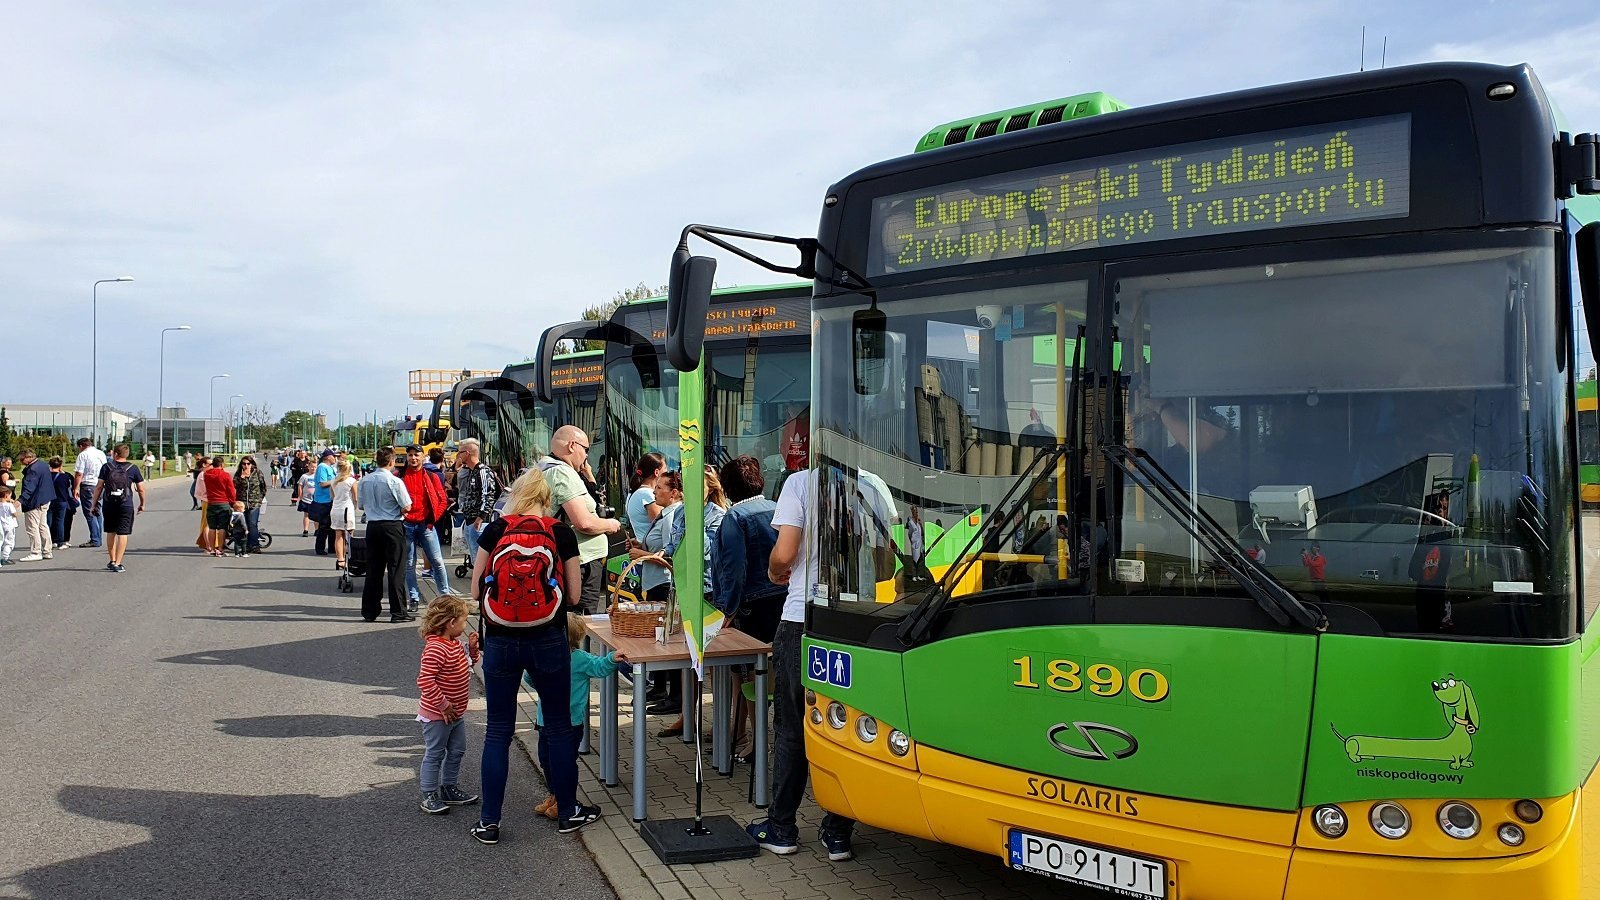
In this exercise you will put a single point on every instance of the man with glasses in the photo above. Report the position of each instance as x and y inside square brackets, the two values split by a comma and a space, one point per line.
[572, 495]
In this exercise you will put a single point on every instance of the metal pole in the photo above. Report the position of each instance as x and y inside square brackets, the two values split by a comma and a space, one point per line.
[94, 356]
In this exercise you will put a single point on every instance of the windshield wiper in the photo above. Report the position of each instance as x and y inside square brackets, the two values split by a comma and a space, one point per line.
[916, 626]
[1271, 594]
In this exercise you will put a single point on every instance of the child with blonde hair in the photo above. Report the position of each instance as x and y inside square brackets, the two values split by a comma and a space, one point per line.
[444, 681]
[585, 667]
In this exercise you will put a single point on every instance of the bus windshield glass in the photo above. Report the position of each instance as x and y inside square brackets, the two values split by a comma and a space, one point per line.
[1378, 431]
[971, 393]
[759, 396]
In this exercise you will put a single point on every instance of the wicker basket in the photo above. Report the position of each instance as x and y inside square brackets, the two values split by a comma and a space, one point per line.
[632, 623]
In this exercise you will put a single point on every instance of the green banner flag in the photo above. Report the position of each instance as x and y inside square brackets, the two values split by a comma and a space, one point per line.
[701, 620]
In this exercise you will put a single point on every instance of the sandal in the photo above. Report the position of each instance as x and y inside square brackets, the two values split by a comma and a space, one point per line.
[338, 564]
[744, 750]
[673, 730]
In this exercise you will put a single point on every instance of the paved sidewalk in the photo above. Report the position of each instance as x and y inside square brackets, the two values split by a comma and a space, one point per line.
[886, 864]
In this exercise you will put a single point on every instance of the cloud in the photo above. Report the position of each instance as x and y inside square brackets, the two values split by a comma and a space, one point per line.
[332, 195]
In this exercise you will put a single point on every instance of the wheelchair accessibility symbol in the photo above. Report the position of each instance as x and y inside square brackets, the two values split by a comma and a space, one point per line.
[829, 666]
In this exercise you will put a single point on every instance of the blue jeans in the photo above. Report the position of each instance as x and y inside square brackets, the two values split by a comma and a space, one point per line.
[60, 521]
[443, 746]
[544, 655]
[429, 539]
[96, 522]
[252, 522]
[471, 532]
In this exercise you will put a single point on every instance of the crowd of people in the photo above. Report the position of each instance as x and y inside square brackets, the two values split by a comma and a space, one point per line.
[549, 537]
[41, 499]
[757, 562]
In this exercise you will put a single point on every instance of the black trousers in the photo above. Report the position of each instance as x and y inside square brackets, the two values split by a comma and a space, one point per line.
[386, 560]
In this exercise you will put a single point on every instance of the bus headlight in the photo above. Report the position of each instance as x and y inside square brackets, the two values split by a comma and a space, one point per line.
[836, 715]
[1329, 821]
[867, 729]
[899, 744]
[1391, 820]
[816, 716]
[1529, 811]
[811, 697]
[1511, 835]
[1459, 820]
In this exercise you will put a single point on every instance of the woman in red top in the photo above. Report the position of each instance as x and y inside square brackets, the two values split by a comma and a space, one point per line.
[220, 496]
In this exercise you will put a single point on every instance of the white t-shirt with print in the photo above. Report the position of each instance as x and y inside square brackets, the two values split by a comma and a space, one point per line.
[793, 503]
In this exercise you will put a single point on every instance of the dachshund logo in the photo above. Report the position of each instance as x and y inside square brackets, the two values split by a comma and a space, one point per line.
[1453, 747]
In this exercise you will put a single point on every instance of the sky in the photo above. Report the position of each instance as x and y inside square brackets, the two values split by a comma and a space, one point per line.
[332, 194]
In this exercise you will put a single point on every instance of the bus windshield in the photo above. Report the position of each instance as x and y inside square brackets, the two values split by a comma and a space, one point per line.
[1377, 431]
[759, 397]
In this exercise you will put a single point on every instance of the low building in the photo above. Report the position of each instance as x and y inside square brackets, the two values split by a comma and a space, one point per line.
[74, 421]
[193, 435]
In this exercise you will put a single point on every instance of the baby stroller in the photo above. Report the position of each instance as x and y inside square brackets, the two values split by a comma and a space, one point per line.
[355, 562]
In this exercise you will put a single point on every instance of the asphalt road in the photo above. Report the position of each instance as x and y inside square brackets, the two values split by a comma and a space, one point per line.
[200, 727]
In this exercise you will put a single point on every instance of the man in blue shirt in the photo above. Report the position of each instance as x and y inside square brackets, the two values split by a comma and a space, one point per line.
[385, 500]
[322, 502]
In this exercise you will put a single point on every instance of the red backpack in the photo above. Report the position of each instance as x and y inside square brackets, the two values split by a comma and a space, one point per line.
[523, 587]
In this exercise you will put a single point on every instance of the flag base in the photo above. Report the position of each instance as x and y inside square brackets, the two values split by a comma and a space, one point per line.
[677, 842]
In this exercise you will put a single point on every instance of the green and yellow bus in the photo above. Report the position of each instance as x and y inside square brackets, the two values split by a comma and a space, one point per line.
[1294, 601]
[513, 426]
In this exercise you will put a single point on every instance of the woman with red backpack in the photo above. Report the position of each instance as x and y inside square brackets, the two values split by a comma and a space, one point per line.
[526, 576]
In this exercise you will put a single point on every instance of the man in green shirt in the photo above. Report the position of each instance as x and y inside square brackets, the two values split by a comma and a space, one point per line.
[567, 470]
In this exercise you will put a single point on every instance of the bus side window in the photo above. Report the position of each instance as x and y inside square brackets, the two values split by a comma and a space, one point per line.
[1585, 262]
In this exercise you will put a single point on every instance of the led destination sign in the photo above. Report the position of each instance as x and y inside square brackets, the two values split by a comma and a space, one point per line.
[737, 316]
[578, 374]
[1304, 176]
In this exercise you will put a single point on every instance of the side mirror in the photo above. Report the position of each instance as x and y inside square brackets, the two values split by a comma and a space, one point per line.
[688, 299]
[869, 349]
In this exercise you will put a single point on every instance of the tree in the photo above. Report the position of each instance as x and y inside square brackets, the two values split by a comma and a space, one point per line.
[297, 423]
[5, 433]
[600, 312]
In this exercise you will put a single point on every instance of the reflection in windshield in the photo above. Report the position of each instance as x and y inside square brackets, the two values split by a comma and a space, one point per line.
[974, 391]
[759, 399]
[1374, 431]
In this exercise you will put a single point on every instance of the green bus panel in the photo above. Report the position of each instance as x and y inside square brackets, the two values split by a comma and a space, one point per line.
[1397, 718]
[1206, 714]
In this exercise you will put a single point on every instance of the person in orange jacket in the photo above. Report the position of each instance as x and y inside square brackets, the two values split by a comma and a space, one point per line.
[428, 503]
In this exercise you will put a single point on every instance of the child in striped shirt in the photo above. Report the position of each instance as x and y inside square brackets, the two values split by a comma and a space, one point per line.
[444, 681]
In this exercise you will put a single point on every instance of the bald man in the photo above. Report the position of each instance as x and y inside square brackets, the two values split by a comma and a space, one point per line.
[572, 494]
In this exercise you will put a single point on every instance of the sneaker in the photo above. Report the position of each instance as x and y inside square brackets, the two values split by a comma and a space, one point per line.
[771, 839]
[32, 557]
[455, 796]
[432, 805]
[304, 533]
[412, 604]
[581, 817]
[8, 561]
[547, 808]
[88, 544]
[120, 568]
[486, 834]
[838, 845]
[111, 567]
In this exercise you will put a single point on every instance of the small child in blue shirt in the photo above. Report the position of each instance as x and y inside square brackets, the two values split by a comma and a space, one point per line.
[585, 667]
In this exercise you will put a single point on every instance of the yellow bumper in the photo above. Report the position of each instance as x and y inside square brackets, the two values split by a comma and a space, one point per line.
[1213, 851]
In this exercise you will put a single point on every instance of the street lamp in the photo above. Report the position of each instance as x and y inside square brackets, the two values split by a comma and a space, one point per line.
[161, 399]
[213, 413]
[94, 355]
[236, 421]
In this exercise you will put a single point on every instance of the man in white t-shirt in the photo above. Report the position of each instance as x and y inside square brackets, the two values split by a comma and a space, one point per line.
[85, 475]
[793, 562]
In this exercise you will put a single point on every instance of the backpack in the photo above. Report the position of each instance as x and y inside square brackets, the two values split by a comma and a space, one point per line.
[523, 588]
[119, 482]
